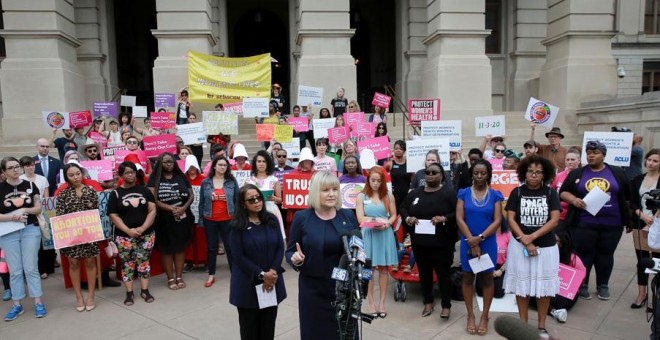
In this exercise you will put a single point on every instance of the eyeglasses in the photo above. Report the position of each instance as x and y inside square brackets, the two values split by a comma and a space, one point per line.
[11, 168]
[92, 150]
[254, 200]
[281, 156]
[499, 150]
[222, 165]
[535, 172]
[131, 142]
[431, 172]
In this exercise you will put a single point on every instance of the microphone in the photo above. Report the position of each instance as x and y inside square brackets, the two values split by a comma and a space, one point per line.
[650, 263]
[357, 246]
[340, 273]
[514, 329]
[344, 240]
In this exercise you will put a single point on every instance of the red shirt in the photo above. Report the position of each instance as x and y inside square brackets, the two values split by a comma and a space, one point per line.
[247, 166]
[219, 206]
[197, 181]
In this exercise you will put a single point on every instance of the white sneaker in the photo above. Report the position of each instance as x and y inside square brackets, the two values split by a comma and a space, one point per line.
[560, 314]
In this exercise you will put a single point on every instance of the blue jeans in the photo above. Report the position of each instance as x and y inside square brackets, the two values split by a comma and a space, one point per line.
[216, 231]
[21, 248]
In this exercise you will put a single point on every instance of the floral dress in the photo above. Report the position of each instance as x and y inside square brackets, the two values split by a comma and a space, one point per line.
[68, 202]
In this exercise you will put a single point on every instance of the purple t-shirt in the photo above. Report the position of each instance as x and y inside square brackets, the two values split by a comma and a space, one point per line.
[609, 214]
[359, 179]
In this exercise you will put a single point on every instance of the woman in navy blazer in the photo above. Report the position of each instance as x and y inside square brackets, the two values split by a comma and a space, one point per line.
[314, 249]
[258, 249]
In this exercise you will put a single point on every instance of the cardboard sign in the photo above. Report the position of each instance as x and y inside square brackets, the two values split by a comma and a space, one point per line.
[164, 100]
[295, 191]
[353, 117]
[310, 95]
[417, 149]
[444, 128]
[241, 176]
[381, 100]
[300, 124]
[127, 101]
[570, 280]
[120, 155]
[55, 120]
[420, 110]
[321, 126]
[77, 228]
[103, 168]
[265, 132]
[619, 146]
[140, 112]
[489, 125]
[255, 107]
[217, 122]
[365, 129]
[156, 145]
[106, 109]
[379, 145]
[292, 148]
[80, 119]
[541, 113]
[504, 181]
[163, 120]
[283, 133]
[191, 133]
[349, 193]
[338, 135]
[236, 108]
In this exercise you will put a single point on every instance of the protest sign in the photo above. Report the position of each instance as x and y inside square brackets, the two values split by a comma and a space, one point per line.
[381, 100]
[48, 211]
[265, 132]
[194, 207]
[379, 145]
[420, 110]
[283, 133]
[106, 109]
[120, 155]
[236, 108]
[55, 120]
[295, 191]
[280, 176]
[445, 129]
[300, 124]
[353, 117]
[255, 107]
[193, 133]
[619, 146]
[80, 119]
[140, 112]
[104, 197]
[365, 129]
[217, 122]
[127, 101]
[417, 149]
[76, 228]
[103, 168]
[570, 279]
[321, 126]
[164, 100]
[98, 138]
[349, 193]
[241, 176]
[108, 153]
[310, 95]
[163, 120]
[338, 135]
[504, 181]
[543, 114]
[489, 125]
[155, 145]
[292, 148]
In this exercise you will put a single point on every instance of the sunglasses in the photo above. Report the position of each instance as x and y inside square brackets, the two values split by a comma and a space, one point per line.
[254, 200]
[281, 156]
[131, 142]
[91, 150]
[499, 150]
[431, 172]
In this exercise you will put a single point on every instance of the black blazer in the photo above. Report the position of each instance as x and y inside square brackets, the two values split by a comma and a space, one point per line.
[54, 167]
[635, 199]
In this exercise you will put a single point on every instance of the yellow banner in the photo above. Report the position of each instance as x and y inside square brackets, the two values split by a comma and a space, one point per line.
[283, 133]
[223, 80]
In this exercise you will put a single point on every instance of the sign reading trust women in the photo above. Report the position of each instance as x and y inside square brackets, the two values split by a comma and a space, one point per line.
[217, 79]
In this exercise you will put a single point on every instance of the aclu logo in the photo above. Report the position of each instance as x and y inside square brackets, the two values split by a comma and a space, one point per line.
[621, 159]
[454, 144]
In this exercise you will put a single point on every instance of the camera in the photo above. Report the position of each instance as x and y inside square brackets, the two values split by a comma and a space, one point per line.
[620, 72]
[653, 202]
[620, 129]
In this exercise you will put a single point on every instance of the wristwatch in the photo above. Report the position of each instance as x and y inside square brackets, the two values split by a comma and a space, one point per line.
[261, 275]
[481, 236]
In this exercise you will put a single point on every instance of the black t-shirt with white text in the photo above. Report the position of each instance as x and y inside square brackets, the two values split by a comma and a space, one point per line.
[132, 206]
[339, 106]
[533, 209]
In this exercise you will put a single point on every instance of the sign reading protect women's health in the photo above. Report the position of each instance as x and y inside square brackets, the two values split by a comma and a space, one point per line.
[420, 110]
[445, 129]
[619, 146]
[310, 95]
[255, 107]
[416, 152]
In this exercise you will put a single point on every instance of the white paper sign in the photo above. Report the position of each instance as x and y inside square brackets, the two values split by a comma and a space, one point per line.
[217, 122]
[255, 107]
[619, 146]
[321, 126]
[489, 125]
[481, 263]
[541, 113]
[139, 112]
[241, 176]
[595, 200]
[55, 119]
[444, 128]
[417, 149]
[127, 101]
[310, 95]
[10, 227]
[292, 148]
[425, 227]
[266, 299]
[194, 133]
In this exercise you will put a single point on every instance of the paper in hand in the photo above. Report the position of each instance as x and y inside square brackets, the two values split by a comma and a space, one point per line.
[595, 200]
[266, 299]
[481, 263]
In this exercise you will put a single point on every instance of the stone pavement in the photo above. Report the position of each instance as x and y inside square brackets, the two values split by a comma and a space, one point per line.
[204, 313]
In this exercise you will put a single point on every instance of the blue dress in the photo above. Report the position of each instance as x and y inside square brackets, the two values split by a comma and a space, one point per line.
[379, 245]
[478, 218]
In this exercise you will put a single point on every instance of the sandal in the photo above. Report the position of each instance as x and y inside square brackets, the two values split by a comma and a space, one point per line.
[171, 284]
[128, 301]
[483, 329]
[180, 284]
[382, 315]
[471, 328]
[144, 293]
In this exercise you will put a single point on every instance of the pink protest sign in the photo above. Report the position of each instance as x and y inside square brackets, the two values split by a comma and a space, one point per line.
[76, 228]
[141, 155]
[364, 129]
[338, 135]
[423, 110]
[163, 120]
[80, 119]
[155, 145]
[300, 124]
[570, 280]
[353, 117]
[98, 138]
[182, 164]
[379, 145]
[103, 168]
[381, 100]
[236, 107]
[109, 153]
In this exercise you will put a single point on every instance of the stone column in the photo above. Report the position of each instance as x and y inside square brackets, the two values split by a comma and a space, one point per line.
[182, 26]
[412, 61]
[40, 72]
[457, 69]
[579, 65]
[92, 53]
[324, 38]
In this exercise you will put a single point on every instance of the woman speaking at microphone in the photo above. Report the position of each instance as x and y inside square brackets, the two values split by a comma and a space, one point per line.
[314, 249]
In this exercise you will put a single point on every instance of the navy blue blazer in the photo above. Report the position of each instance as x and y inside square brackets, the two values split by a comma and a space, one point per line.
[311, 241]
[54, 167]
[253, 250]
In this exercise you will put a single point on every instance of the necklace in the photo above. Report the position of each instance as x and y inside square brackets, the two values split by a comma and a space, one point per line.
[257, 222]
[479, 203]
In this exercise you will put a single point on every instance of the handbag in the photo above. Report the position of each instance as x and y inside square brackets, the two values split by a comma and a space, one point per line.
[111, 249]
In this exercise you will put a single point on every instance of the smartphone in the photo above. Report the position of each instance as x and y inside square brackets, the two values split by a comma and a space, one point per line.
[526, 253]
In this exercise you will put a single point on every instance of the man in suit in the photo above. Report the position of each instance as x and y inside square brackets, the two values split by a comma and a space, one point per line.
[46, 165]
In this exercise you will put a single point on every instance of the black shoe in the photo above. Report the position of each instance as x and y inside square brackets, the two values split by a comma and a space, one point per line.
[188, 267]
[107, 281]
[640, 305]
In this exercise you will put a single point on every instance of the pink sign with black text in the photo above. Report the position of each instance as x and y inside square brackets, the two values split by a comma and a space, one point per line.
[379, 145]
[381, 100]
[570, 280]
[156, 145]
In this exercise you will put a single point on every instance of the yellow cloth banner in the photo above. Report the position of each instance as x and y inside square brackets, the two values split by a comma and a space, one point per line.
[223, 80]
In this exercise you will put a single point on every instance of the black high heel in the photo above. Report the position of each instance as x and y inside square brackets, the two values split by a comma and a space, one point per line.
[640, 305]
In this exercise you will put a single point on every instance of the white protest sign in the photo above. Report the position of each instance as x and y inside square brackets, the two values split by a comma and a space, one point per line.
[57, 120]
[619, 146]
[310, 95]
[241, 176]
[127, 101]
[139, 112]
[417, 149]
[217, 122]
[194, 207]
[292, 148]
[194, 133]
[255, 107]
[489, 125]
[444, 128]
[321, 126]
[541, 113]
